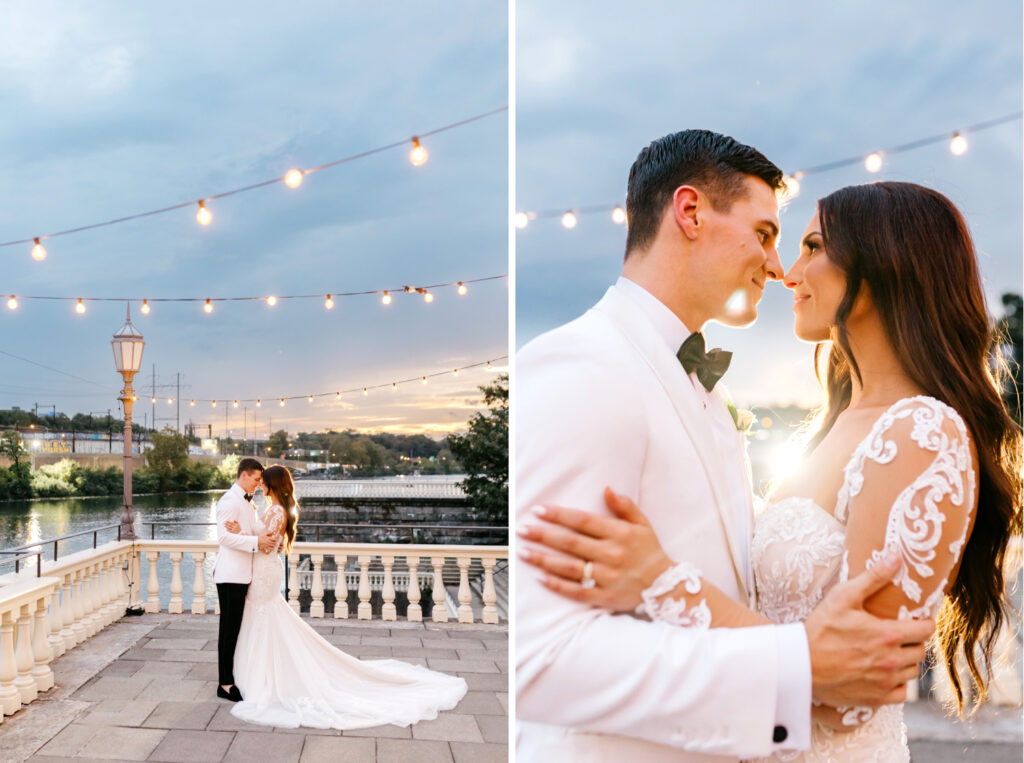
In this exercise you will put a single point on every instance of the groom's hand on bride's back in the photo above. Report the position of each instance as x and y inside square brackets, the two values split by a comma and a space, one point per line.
[857, 658]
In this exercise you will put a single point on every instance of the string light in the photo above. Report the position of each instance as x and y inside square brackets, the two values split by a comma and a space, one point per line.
[329, 303]
[424, 379]
[152, 399]
[213, 403]
[489, 365]
[872, 162]
[80, 307]
[192, 403]
[366, 391]
[418, 155]
[38, 251]
[310, 398]
[282, 402]
[338, 395]
[170, 400]
[271, 301]
[618, 215]
[293, 179]
[455, 372]
[427, 297]
[462, 288]
[259, 403]
[145, 307]
[203, 215]
[12, 303]
[394, 386]
[386, 299]
[209, 197]
[235, 403]
[208, 307]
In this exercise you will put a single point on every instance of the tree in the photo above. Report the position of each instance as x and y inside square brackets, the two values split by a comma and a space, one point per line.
[483, 452]
[277, 443]
[16, 480]
[1010, 327]
[168, 458]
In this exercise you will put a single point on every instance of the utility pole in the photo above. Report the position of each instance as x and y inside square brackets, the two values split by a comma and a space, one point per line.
[153, 396]
[177, 400]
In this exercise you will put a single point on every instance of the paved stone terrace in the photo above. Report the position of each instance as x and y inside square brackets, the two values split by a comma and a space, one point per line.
[144, 689]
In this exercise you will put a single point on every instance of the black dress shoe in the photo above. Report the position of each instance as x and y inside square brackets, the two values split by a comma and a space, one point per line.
[233, 695]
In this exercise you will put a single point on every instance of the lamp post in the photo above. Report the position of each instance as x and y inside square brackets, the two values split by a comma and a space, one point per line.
[128, 345]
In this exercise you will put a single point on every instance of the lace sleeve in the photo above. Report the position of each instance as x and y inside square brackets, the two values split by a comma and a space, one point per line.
[275, 521]
[909, 488]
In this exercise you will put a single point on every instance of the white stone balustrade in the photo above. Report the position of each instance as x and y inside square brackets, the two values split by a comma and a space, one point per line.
[25, 651]
[377, 489]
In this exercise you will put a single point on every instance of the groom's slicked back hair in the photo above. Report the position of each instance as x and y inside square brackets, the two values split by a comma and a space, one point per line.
[715, 164]
[248, 465]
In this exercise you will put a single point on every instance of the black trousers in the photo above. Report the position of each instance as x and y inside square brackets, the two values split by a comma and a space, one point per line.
[232, 603]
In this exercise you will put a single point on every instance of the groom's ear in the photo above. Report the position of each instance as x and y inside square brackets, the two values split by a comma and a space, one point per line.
[685, 201]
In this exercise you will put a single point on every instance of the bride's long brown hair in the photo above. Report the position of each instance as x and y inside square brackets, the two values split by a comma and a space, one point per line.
[910, 248]
[278, 480]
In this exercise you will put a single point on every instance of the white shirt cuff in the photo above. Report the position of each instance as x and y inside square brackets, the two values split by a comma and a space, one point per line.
[793, 698]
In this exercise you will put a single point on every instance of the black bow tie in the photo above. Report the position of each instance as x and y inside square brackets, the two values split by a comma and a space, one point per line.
[248, 496]
[709, 366]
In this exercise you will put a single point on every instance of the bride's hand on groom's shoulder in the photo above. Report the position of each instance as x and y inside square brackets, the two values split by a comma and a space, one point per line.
[624, 553]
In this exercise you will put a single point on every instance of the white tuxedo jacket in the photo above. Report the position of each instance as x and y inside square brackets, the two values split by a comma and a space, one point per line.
[235, 555]
[602, 401]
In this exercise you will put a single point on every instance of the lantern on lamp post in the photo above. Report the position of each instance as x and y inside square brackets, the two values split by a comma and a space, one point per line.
[128, 345]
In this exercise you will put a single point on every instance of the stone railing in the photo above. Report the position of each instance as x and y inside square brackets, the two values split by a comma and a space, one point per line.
[376, 489]
[42, 617]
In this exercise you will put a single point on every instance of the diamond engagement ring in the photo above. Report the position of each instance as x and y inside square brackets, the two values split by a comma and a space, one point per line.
[588, 575]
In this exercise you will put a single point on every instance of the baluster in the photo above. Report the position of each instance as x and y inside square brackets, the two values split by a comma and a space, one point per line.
[77, 628]
[412, 591]
[91, 603]
[341, 588]
[153, 585]
[10, 697]
[41, 653]
[85, 586]
[67, 613]
[24, 683]
[490, 614]
[316, 607]
[199, 583]
[439, 614]
[54, 638]
[293, 582]
[113, 591]
[102, 603]
[465, 595]
[176, 605]
[364, 612]
[389, 612]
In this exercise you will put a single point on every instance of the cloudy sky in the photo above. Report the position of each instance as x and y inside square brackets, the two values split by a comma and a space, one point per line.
[110, 109]
[805, 82]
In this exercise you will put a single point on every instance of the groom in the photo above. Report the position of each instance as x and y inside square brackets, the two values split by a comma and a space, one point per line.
[621, 397]
[232, 571]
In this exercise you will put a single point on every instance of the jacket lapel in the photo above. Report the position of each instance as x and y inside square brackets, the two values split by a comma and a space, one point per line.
[642, 335]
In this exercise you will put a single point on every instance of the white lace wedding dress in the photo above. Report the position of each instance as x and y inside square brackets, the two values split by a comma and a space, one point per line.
[799, 550]
[290, 676]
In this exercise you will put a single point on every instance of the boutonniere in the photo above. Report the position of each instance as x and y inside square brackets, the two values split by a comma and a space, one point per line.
[741, 417]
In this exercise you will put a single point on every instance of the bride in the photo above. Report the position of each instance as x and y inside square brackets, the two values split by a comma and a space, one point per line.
[290, 676]
[913, 453]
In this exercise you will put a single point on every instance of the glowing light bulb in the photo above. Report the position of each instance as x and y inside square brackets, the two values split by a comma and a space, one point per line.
[462, 288]
[874, 162]
[293, 178]
[337, 396]
[792, 186]
[259, 403]
[418, 155]
[203, 215]
[271, 301]
[424, 379]
[489, 365]
[455, 372]
[38, 251]
[329, 303]
[80, 307]
[282, 402]
[192, 403]
[310, 398]
[569, 220]
[152, 399]
[213, 403]
[522, 220]
[235, 403]
[427, 296]
[958, 145]
[135, 398]
[386, 299]
[366, 391]
[618, 215]
[208, 307]
[170, 400]
[12, 303]
[145, 307]
[394, 386]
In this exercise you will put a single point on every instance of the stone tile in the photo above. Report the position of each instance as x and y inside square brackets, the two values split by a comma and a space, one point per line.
[223, 720]
[53, 759]
[173, 669]
[120, 668]
[204, 671]
[211, 646]
[369, 652]
[118, 712]
[189, 655]
[391, 641]
[434, 635]
[381, 732]
[307, 730]
[168, 688]
[449, 727]
[342, 639]
[251, 746]
[138, 653]
[463, 666]
[193, 746]
[405, 750]
[467, 752]
[484, 681]
[181, 715]
[119, 743]
[182, 633]
[113, 687]
[480, 703]
[493, 727]
[411, 651]
[503, 699]
[69, 740]
[468, 645]
[189, 622]
[338, 750]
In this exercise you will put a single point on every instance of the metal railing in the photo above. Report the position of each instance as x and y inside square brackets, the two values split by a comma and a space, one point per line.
[307, 528]
[95, 531]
